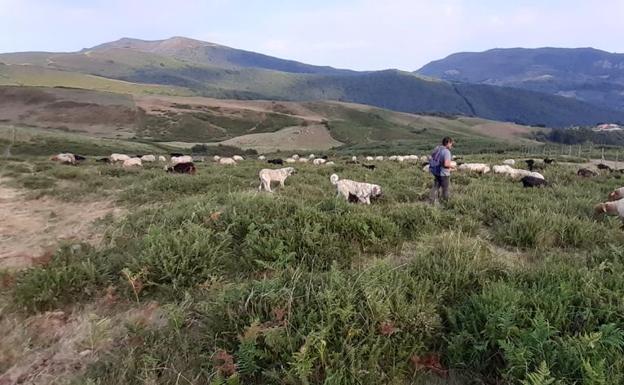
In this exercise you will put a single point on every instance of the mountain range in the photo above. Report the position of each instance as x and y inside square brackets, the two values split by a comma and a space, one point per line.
[183, 66]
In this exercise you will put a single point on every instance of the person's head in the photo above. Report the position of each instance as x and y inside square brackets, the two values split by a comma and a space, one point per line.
[447, 142]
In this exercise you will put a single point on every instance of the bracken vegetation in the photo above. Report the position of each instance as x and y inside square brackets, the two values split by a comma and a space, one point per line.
[501, 286]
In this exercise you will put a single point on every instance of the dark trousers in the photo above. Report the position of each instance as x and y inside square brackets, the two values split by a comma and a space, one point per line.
[443, 182]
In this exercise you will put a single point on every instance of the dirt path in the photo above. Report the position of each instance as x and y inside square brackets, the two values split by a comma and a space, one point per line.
[30, 230]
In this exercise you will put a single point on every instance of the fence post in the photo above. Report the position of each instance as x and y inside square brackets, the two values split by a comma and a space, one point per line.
[603, 153]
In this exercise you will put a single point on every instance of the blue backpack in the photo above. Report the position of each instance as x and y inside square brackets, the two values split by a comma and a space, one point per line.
[436, 161]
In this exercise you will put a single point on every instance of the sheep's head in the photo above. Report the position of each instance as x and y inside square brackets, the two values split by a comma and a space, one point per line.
[376, 191]
[615, 195]
[600, 208]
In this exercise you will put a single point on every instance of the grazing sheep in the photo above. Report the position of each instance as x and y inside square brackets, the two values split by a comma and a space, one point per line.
[363, 191]
[611, 208]
[392, 158]
[118, 158]
[480, 168]
[238, 158]
[181, 159]
[354, 158]
[426, 168]
[549, 160]
[161, 158]
[602, 166]
[182, 168]
[311, 156]
[79, 158]
[616, 194]
[412, 158]
[379, 158]
[198, 159]
[370, 158]
[586, 173]
[65, 158]
[275, 161]
[261, 157]
[216, 158]
[503, 169]
[515, 173]
[148, 158]
[318, 161]
[176, 154]
[509, 162]
[325, 157]
[268, 175]
[303, 160]
[330, 163]
[295, 156]
[291, 160]
[531, 181]
[400, 159]
[227, 161]
[369, 166]
[132, 162]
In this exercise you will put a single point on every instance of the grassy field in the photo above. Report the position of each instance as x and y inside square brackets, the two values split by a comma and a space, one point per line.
[207, 281]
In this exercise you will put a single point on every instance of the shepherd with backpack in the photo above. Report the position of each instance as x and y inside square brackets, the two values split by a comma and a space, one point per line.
[440, 166]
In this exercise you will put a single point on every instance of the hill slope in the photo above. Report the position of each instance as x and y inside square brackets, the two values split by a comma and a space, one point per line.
[583, 73]
[185, 63]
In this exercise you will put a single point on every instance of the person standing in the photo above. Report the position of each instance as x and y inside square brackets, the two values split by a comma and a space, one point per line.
[440, 166]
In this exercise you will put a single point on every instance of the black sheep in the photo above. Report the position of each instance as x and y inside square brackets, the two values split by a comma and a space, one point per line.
[176, 154]
[602, 166]
[369, 166]
[275, 161]
[531, 181]
[79, 158]
[586, 173]
[183, 168]
[549, 161]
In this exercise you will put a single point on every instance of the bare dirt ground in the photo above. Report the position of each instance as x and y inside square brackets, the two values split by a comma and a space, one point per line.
[30, 230]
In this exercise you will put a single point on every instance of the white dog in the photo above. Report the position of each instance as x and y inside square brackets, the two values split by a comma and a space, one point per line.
[268, 175]
[362, 192]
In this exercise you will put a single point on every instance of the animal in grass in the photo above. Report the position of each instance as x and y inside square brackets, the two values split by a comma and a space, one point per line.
[531, 181]
[238, 158]
[176, 154]
[379, 158]
[275, 161]
[118, 157]
[509, 162]
[533, 164]
[79, 158]
[515, 173]
[354, 158]
[480, 168]
[132, 162]
[148, 158]
[586, 173]
[216, 158]
[291, 160]
[602, 166]
[369, 166]
[318, 161]
[611, 208]
[330, 163]
[227, 161]
[352, 162]
[370, 158]
[268, 175]
[161, 158]
[182, 168]
[65, 158]
[616, 194]
[549, 160]
[363, 191]
[303, 160]
[181, 159]
[261, 157]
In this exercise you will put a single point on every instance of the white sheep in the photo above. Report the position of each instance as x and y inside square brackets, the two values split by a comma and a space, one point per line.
[413, 158]
[227, 161]
[480, 168]
[261, 157]
[268, 175]
[330, 163]
[65, 158]
[363, 192]
[318, 161]
[311, 156]
[392, 157]
[379, 158]
[161, 158]
[400, 159]
[611, 208]
[148, 158]
[132, 162]
[303, 160]
[238, 158]
[216, 158]
[291, 160]
[509, 162]
[295, 156]
[181, 159]
[616, 194]
[118, 157]
[354, 158]
[369, 158]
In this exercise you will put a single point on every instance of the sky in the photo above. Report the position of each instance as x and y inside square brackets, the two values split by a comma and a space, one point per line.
[355, 34]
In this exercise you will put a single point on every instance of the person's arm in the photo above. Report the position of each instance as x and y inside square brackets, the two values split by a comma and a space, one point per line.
[447, 160]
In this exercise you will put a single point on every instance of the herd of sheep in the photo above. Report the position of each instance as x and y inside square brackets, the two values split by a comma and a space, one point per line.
[353, 191]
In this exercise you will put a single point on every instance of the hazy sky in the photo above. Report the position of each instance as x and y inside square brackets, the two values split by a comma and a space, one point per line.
[357, 34]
